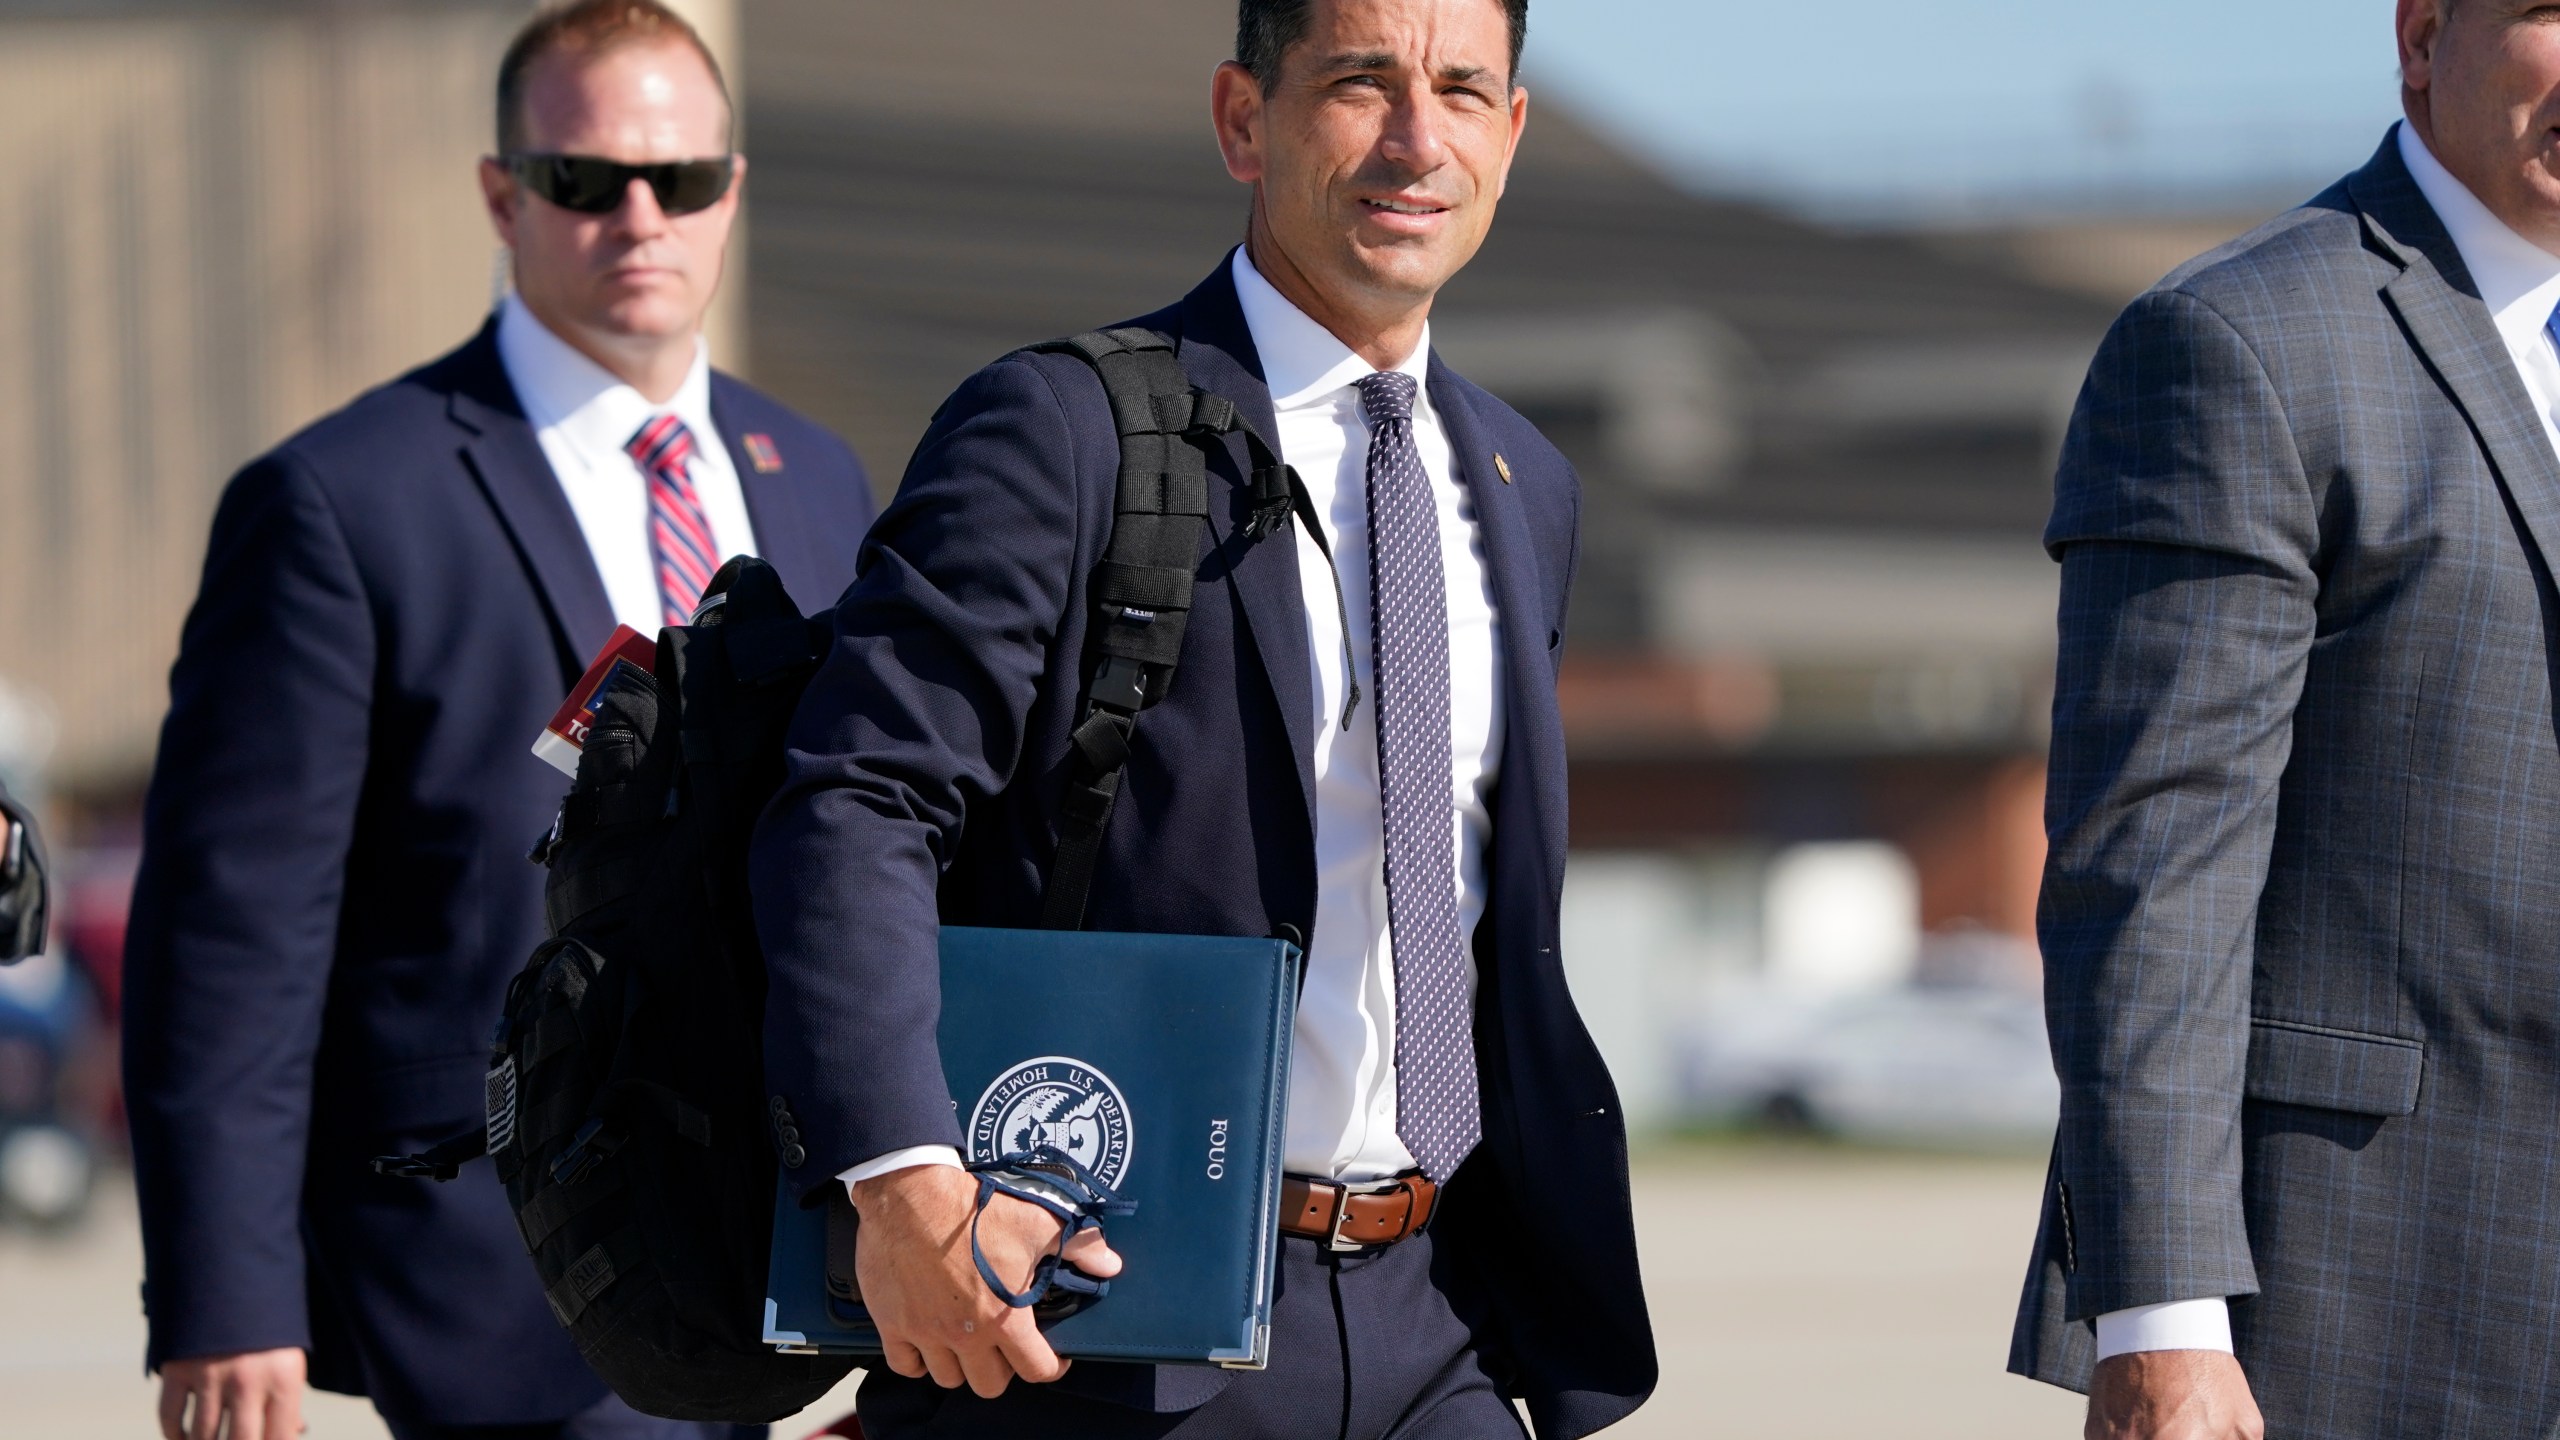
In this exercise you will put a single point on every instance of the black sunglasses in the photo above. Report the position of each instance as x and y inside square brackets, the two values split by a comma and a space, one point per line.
[595, 187]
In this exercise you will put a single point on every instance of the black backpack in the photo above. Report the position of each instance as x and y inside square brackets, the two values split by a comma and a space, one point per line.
[22, 883]
[626, 1110]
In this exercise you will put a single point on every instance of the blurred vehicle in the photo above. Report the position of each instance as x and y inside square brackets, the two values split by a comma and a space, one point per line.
[46, 1166]
[1946, 1066]
[94, 894]
[93, 897]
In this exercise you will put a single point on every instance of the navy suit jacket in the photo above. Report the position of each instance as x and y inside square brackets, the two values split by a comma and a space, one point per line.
[334, 890]
[929, 763]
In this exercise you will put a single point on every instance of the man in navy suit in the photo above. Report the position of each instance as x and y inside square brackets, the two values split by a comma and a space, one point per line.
[1377, 770]
[334, 890]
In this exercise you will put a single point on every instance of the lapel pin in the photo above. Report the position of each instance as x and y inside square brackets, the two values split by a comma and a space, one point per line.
[766, 459]
[1502, 465]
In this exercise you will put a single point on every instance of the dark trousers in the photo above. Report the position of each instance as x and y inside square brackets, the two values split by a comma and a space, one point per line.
[608, 1419]
[1363, 1347]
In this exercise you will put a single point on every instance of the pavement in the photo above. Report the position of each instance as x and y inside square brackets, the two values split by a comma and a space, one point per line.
[1798, 1292]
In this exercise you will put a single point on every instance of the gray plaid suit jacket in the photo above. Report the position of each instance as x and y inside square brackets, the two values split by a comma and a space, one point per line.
[2301, 922]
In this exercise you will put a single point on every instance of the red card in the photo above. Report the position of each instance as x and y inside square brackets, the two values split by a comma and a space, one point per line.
[565, 738]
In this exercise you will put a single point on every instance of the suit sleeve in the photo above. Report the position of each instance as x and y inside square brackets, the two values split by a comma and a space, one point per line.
[916, 718]
[2188, 539]
[235, 918]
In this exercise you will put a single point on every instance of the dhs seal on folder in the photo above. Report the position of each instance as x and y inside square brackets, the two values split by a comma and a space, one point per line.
[1159, 1065]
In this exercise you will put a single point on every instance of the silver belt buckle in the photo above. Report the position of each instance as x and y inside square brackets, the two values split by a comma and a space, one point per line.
[1342, 1211]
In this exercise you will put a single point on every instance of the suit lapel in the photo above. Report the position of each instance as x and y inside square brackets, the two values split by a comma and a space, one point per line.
[783, 535]
[1217, 352]
[513, 473]
[2439, 304]
[1510, 556]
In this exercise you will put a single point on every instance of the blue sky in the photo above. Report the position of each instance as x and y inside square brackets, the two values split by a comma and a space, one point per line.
[1865, 105]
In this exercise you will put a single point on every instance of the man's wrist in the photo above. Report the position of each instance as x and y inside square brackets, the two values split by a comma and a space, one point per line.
[2175, 1325]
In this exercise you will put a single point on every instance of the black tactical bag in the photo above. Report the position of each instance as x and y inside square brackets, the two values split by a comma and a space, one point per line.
[22, 883]
[626, 1110]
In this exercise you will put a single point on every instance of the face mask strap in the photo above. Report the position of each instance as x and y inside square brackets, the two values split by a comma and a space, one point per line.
[1056, 1182]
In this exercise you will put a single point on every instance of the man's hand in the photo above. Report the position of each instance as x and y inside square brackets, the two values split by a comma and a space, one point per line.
[2172, 1395]
[935, 1314]
[258, 1392]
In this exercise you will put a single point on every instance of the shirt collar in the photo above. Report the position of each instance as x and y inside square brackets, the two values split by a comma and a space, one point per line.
[562, 389]
[2519, 280]
[1303, 362]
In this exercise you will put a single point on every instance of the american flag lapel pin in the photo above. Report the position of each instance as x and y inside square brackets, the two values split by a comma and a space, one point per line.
[1502, 465]
[762, 455]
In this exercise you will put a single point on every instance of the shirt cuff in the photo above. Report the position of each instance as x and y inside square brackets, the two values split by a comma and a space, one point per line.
[909, 1159]
[2176, 1325]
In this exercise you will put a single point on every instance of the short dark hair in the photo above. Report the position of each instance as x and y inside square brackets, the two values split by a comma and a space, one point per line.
[1266, 29]
[587, 28]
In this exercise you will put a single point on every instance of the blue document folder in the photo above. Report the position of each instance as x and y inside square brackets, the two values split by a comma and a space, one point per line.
[1161, 1062]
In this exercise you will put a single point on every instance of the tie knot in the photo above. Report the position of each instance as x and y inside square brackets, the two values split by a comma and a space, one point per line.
[1387, 396]
[661, 445]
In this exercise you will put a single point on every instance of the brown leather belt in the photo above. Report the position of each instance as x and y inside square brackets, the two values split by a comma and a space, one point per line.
[1356, 1217]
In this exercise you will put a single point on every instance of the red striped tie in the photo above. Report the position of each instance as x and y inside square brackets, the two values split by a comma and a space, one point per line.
[679, 533]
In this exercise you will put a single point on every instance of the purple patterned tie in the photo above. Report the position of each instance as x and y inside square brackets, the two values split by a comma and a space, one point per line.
[1436, 1106]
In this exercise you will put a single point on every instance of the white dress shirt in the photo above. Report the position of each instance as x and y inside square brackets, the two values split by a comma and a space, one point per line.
[2520, 283]
[583, 415]
[1342, 1079]
[2519, 280]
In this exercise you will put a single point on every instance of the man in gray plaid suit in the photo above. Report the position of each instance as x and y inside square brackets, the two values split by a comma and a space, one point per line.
[2302, 917]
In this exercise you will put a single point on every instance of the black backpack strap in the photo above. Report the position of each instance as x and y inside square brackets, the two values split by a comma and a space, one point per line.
[1142, 588]
[438, 1162]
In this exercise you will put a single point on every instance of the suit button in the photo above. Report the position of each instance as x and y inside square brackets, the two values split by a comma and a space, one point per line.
[793, 1157]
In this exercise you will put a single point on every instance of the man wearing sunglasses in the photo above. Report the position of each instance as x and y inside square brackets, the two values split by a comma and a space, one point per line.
[334, 892]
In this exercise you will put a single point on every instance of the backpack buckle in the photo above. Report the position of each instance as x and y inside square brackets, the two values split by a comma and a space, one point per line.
[1272, 497]
[411, 1167]
[1120, 684]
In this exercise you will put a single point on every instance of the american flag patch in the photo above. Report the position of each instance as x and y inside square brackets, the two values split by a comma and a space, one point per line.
[762, 455]
[502, 1104]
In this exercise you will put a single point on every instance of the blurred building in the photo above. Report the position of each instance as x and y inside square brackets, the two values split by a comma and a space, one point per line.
[2111, 260]
[1811, 645]
[232, 216]
[1812, 607]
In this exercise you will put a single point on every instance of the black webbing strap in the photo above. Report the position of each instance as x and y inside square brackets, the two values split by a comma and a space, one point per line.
[573, 894]
[593, 1273]
[1141, 590]
[558, 1114]
[556, 1031]
[620, 802]
[844, 1235]
[546, 1210]
[438, 1162]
